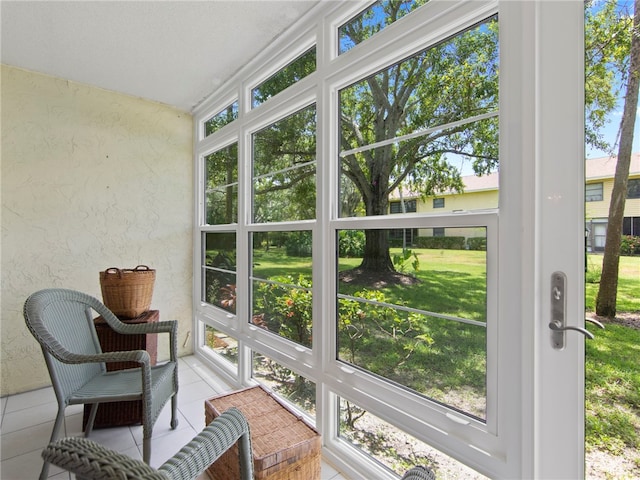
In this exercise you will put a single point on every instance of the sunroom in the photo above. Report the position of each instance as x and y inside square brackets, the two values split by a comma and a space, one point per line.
[259, 190]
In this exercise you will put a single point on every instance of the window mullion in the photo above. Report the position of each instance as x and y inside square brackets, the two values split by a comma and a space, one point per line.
[243, 247]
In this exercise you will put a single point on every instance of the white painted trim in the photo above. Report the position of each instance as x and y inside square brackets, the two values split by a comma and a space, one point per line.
[536, 80]
[559, 224]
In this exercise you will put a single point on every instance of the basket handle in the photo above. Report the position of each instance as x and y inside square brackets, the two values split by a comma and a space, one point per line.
[141, 268]
[112, 270]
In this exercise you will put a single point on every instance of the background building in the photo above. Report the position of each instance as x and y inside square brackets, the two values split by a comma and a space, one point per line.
[481, 193]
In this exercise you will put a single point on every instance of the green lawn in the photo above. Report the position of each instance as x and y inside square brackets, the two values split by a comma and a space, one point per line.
[454, 283]
[612, 396]
[443, 359]
[628, 298]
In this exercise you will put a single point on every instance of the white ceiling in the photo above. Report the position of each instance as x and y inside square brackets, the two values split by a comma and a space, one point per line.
[174, 52]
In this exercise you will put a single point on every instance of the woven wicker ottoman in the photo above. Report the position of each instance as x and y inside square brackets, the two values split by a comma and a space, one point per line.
[284, 446]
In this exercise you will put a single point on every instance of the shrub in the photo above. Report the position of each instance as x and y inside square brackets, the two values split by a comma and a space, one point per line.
[477, 243]
[400, 260]
[298, 244]
[351, 243]
[284, 308]
[630, 245]
[445, 243]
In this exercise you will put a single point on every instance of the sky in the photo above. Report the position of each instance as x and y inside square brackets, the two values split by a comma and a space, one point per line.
[611, 131]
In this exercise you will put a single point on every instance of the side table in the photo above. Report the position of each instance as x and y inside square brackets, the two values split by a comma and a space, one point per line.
[116, 414]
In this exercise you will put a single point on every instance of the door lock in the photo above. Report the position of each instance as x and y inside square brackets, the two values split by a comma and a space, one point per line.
[558, 324]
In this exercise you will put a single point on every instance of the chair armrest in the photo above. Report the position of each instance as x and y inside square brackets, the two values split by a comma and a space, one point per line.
[206, 447]
[419, 473]
[139, 356]
[88, 459]
[165, 326]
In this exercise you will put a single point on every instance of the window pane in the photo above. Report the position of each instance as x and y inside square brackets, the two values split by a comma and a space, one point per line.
[221, 189]
[221, 119]
[633, 188]
[284, 169]
[393, 448]
[593, 192]
[222, 344]
[403, 206]
[422, 322]
[219, 270]
[372, 20]
[400, 176]
[416, 124]
[292, 73]
[285, 382]
[281, 284]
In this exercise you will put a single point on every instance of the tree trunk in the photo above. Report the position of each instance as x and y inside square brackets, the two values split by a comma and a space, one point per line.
[376, 252]
[607, 293]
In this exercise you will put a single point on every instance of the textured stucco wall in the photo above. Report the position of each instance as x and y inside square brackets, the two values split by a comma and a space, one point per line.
[90, 179]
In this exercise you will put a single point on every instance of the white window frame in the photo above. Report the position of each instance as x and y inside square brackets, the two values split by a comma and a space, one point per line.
[497, 448]
[594, 190]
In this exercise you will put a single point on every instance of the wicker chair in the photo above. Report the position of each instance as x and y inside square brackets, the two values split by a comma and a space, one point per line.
[62, 322]
[419, 473]
[88, 460]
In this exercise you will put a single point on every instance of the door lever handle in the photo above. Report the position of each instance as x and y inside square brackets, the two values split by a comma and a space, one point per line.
[556, 326]
[595, 322]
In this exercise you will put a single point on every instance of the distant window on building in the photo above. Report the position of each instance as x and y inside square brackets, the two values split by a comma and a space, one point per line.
[438, 231]
[633, 188]
[593, 192]
[438, 203]
[410, 206]
[631, 226]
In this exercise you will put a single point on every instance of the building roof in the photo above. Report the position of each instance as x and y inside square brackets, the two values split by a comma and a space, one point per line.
[605, 167]
[595, 169]
[474, 183]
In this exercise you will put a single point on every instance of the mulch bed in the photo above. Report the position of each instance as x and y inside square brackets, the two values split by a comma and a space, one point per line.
[631, 320]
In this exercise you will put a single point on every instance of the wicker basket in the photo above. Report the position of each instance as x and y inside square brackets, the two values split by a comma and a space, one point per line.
[285, 447]
[127, 292]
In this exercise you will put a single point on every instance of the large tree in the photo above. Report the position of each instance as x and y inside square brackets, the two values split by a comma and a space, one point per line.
[424, 101]
[417, 100]
[607, 40]
[607, 293]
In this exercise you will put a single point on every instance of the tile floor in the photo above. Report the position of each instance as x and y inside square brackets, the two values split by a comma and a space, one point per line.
[27, 422]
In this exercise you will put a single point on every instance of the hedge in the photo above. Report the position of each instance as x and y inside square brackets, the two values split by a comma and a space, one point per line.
[445, 243]
[477, 243]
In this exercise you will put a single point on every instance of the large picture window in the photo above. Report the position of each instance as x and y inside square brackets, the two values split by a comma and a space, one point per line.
[325, 273]
[405, 330]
